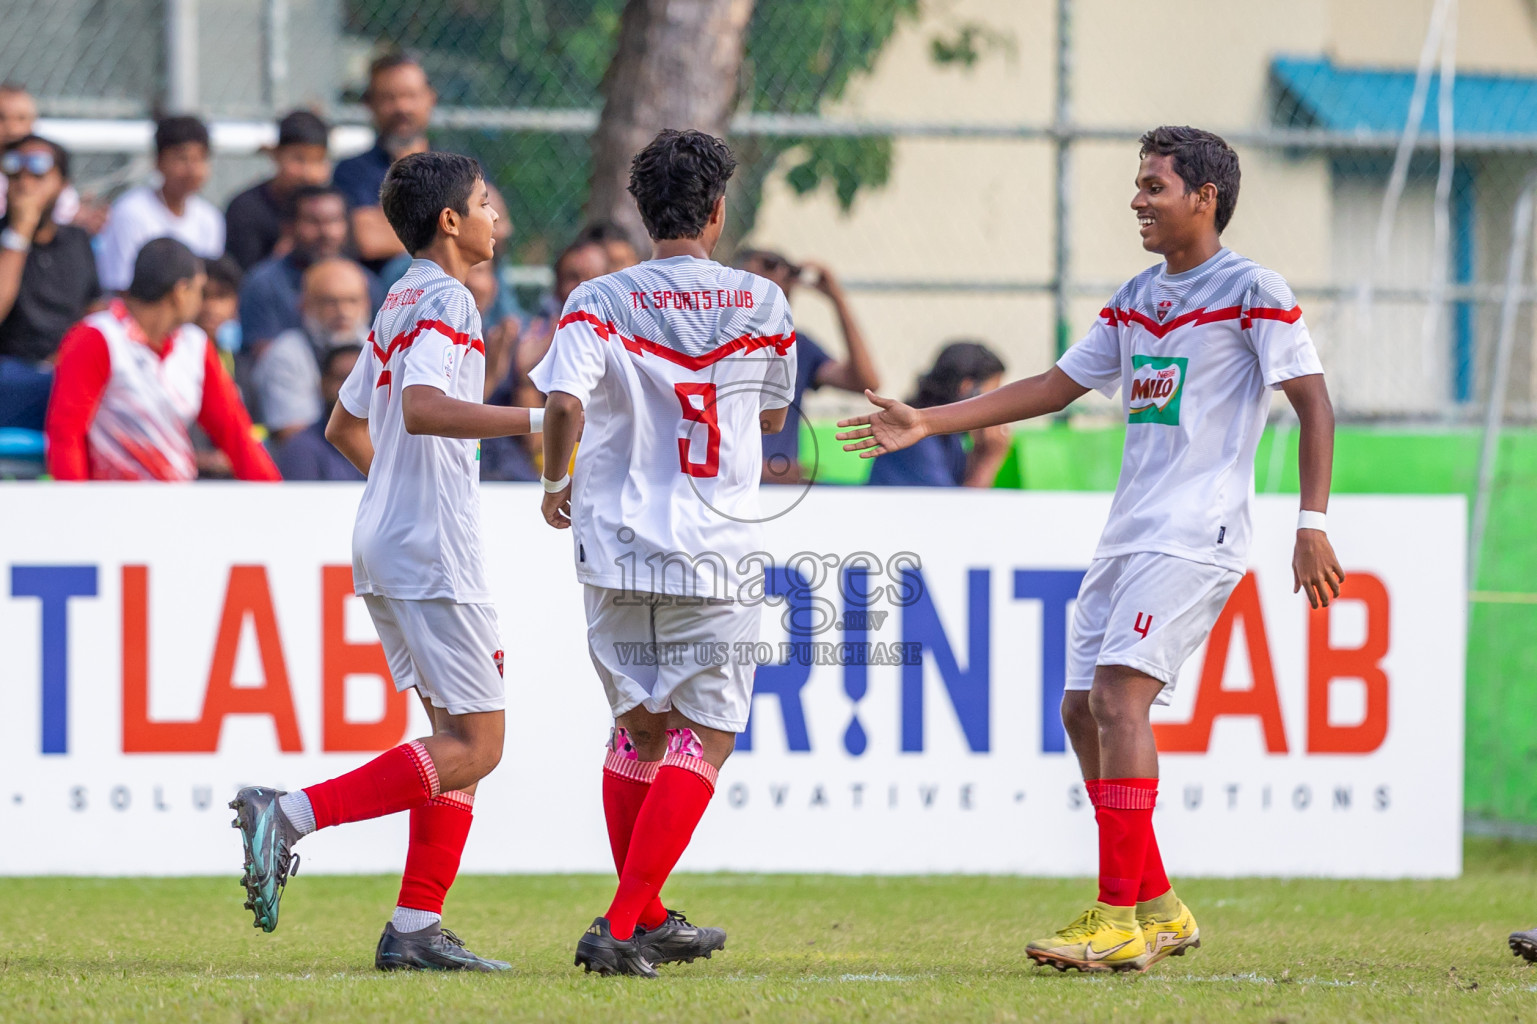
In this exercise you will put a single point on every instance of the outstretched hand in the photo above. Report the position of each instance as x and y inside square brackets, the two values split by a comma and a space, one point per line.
[894, 427]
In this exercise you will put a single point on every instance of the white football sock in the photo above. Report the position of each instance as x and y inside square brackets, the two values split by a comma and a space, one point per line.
[296, 807]
[408, 920]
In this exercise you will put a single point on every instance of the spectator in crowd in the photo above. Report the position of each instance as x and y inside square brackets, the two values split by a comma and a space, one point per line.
[501, 326]
[814, 368]
[963, 369]
[580, 261]
[269, 299]
[401, 101]
[219, 315]
[172, 209]
[18, 119]
[503, 458]
[47, 277]
[256, 218]
[621, 251]
[307, 455]
[132, 378]
[336, 311]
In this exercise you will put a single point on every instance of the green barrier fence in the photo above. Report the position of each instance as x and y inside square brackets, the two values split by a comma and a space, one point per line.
[1501, 783]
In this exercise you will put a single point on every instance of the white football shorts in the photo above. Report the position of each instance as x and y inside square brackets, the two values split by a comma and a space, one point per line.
[449, 652]
[674, 653]
[1146, 611]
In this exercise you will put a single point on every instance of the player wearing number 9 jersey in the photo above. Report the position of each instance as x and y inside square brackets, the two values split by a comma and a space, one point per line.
[679, 365]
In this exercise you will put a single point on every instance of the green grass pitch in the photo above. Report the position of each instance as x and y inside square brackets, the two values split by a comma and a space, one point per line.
[801, 948]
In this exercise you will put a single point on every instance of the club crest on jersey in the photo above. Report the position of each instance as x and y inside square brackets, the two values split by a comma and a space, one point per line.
[500, 658]
[1156, 386]
[1163, 309]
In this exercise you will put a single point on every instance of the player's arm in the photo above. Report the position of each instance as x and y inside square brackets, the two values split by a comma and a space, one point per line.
[426, 410]
[772, 421]
[898, 425]
[1314, 566]
[348, 434]
[562, 426]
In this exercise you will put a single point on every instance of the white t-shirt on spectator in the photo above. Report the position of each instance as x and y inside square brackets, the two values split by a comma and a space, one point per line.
[140, 216]
[418, 528]
[1196, 353]
[673, 361]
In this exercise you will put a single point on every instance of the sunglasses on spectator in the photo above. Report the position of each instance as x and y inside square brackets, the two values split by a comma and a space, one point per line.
[775, 263]
[36, 164]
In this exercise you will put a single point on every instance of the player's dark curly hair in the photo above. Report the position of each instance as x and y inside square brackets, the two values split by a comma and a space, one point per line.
[676, 181]
[1199, 157]
[421, 186]
[956, 362]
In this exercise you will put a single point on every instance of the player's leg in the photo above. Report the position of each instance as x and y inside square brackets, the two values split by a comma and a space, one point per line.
[636, 746]
[1079, 944]
[710, 700]
[420, 638]
[415, 937]
[1170, 605]
[709, 705]
[1107, 935]
[621, 642]
[271, 821]
[679, 796]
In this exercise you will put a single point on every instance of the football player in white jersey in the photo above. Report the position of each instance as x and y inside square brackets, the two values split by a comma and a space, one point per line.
[679, 366]
[1195, 343]
[410, 417]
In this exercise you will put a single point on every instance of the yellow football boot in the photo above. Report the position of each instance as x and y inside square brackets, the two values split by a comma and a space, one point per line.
[1096, 941]
[1170, 937]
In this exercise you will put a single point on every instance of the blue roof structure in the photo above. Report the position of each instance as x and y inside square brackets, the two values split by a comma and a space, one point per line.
[1313, 93]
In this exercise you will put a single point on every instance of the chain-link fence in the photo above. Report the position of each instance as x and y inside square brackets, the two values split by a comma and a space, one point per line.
[965, 166]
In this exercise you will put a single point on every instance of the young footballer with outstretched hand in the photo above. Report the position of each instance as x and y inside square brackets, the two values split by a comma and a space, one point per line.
[410, 418]
[1195, 344]
[679, 365]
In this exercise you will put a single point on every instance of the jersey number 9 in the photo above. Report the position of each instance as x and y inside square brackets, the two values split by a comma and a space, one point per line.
[698, 402]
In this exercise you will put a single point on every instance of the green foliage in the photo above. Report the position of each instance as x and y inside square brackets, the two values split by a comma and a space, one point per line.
[551, 54]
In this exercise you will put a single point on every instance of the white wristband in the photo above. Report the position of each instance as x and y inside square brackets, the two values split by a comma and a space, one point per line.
[556, 486]
[1308, 520]
[535, 420]
[14, 240]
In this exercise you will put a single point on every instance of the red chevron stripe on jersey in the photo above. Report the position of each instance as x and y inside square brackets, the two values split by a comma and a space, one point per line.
[404, 340]
[746, 343]
[1197, 317]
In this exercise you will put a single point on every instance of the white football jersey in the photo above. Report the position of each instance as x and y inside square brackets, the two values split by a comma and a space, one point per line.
[1195, 353]
[673, 361]
[418, 528]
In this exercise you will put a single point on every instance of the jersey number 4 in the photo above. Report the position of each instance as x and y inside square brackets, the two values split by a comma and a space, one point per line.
[698, 402]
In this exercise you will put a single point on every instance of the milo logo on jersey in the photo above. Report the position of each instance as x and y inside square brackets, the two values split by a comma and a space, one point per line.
[1156, 385]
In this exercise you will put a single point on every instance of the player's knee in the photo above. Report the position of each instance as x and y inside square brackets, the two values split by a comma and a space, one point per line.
[1077, 718]
[1110, 709]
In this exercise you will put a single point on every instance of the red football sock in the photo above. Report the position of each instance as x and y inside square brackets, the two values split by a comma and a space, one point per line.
[397, 780]
[666, 823]
[1155, 881]
[626, 782]
[1124, 811]
[439, 828]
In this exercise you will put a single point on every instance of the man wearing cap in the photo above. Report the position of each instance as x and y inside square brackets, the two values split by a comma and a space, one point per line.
[255, 218]
[814, 368]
